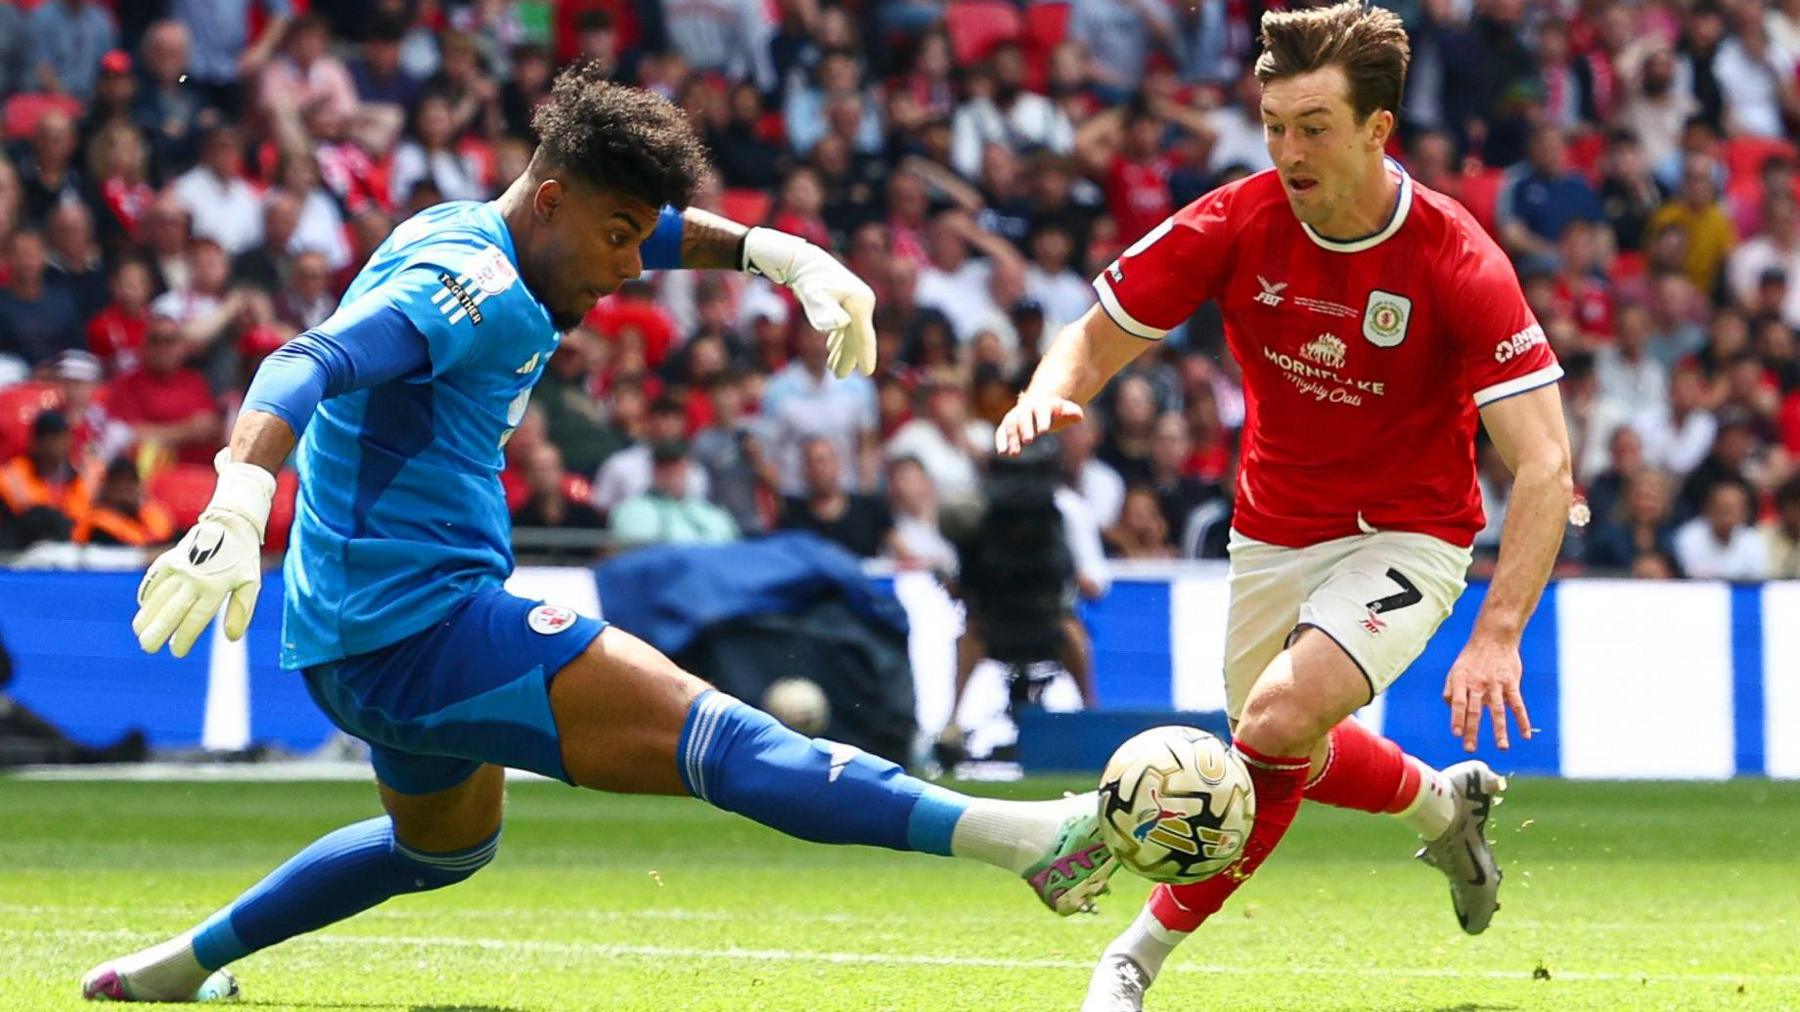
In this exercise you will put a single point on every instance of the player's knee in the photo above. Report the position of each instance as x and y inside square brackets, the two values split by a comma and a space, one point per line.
[435, 870]
[1280, 724]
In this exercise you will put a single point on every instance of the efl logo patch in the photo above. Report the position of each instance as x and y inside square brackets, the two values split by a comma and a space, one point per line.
[492, 272]
[1384, 318]
[549, 619]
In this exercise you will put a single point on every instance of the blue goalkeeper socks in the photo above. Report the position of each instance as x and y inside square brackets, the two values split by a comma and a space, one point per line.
[342, 873]
[744, 761]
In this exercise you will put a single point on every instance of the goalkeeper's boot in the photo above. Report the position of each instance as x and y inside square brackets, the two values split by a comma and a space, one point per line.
[1118, 985]
[1074, 871]
[1462, 853]
[166, 971]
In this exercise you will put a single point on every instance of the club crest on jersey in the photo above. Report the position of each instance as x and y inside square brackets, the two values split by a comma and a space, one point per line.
[549, 619]
[492, 272]
[1384, 318]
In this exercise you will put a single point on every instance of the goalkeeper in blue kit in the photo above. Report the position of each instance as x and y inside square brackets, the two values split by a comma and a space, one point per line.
[394, 612]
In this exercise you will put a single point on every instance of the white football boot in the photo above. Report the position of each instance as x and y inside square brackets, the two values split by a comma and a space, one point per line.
[1462, 853]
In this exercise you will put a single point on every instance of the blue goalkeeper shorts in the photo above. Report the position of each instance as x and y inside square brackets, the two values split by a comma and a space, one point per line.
[472, 689]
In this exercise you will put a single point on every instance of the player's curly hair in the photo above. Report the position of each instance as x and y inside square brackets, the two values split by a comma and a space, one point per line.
[619, 138]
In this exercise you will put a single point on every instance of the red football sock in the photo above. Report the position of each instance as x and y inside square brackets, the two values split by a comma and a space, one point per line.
[1279, 782]
[1364, 771]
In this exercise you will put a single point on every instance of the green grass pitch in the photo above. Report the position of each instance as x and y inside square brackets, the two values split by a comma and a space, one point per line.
[1645, 896]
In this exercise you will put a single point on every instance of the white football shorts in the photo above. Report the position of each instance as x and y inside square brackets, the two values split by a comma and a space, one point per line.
[1379, 595]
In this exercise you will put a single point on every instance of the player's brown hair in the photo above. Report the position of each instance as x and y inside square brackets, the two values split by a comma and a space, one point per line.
[1369, 43]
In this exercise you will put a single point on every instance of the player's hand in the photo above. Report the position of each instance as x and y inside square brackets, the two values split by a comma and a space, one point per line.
[1486, 677]
[1032, 417]
[835, 300]
[218, 562]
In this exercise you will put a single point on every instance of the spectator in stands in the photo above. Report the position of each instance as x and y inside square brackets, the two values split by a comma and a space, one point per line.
[224, 55]
[574, 419]
[384, 88]
[1732, 458]
[668, 511]
[1756, 79]
[1781, 532]
[68, 38]
[532, 70]
[119, 166]
[169, 407]
[219, 202]
[1119, 37]
[116, 333]
[1141, 532]
[1720, 544]
[1775, 248]
[305, 72]
[1582, 292]
[72, 258]
[165, 239]
[1541, 196]
[320, 227]
[268, 265]
[1639, 524]
[860, 523]
[729, 37]
[429, 153]
[42, 494]
[1629, 194]
[15, 44]
[49, 176]
[1676, 311]
[170, 108]
[37, 316]
[804, 401]
[731, 450]
[1627, 375]
[1063, 294]
[1659, 109]
[120, 515]
[207, 310]
[945, 440]
[549, 504]
[918, 540]
[958, 284]
[1137, 172]
[307, 299]
[747, 156]
[631, 471]
[1625, 448]
[1126, 448]
[1678, 435]
[1006, 113]
[1178, 493]
[1702, 221]
[1094, 480]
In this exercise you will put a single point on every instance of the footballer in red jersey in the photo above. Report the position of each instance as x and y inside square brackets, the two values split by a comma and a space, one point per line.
[1377, 325]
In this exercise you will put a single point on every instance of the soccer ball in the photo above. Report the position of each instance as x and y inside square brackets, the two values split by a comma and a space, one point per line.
[1176, 804]
[800, 704]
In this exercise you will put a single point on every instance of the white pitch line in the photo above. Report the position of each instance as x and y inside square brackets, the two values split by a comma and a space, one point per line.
[739, 954]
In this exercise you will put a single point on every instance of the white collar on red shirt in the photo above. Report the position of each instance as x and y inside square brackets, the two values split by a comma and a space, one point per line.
[1401, 207]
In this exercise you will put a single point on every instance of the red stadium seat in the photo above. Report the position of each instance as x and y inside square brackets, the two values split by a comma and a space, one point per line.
[749, 207]
[1584, 153]
[1046, 26]
[24, 110]
[185, 489]
[976, 25]
[1743, 156]
[1481, 194]
[19, 407]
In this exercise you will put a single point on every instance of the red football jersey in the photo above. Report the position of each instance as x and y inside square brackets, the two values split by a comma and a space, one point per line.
[1364, 361]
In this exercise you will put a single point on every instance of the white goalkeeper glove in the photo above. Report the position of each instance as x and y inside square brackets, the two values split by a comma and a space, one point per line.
[220, 558]
[837, 302]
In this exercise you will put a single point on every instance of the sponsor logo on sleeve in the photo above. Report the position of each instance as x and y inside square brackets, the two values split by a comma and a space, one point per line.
[1520, 343]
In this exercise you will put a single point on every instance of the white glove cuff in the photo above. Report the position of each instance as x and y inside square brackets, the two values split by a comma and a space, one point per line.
[244, 490]
[771, 252]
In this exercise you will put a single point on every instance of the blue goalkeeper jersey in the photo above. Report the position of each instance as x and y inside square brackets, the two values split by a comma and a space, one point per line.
[401, 513]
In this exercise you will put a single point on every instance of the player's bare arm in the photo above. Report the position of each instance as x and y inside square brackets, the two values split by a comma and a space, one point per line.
[1083, 357]
[710, 242]
[1529, 433]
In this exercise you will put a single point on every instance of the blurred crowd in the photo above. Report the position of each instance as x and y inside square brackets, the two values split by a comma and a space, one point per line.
[189, 183]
